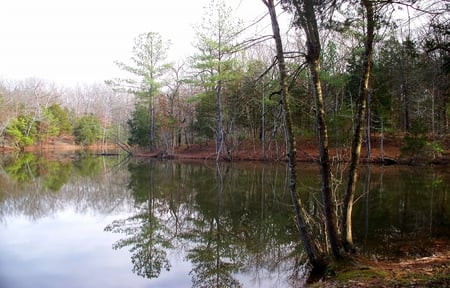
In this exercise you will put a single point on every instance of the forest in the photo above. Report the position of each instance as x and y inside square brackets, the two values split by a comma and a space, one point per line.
[338, 74]
[228, 92]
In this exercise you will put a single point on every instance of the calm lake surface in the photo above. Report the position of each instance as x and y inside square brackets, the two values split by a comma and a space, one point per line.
[84, 221]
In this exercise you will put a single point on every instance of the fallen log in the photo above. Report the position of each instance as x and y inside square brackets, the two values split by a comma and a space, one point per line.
[125, 147]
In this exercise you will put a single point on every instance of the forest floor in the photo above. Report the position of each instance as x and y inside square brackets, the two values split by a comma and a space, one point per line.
[414, 271]
[387, 150]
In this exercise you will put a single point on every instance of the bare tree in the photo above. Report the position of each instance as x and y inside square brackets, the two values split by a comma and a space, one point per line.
[306, 19]
[346, 221]
[310, 249]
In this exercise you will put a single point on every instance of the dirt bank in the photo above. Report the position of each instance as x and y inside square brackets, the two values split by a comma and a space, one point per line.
[431, 270]
[386, 150]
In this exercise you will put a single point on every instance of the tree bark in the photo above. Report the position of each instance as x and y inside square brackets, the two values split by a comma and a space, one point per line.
[220, 131]
[307, 20]
[219, 140]
[308, 244]
[346, 221]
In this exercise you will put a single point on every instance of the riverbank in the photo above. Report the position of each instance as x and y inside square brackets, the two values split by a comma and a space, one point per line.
[386, 150]
[382, 151]
[416, 271]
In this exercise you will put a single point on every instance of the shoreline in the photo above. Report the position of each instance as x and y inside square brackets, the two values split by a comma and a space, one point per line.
[306, 151]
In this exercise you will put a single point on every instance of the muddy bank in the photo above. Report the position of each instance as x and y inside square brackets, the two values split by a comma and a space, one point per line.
[382, 151]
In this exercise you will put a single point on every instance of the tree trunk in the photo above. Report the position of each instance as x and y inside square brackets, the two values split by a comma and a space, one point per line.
[307, 20]
[220, 140]
[346, 221]
[308, 244]
[263, 128]
[405, 94]
[325, 169]
[220, 131]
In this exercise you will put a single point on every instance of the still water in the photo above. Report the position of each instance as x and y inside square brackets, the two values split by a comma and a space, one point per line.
[84, 221]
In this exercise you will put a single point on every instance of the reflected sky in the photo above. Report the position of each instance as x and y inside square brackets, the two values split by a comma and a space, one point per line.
[235, 229]
[69, 249]
[58, 237]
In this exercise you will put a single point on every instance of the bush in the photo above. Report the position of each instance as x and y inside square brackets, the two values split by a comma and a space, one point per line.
[139, 127]
[417, 144]
[57, 119]
[22, 130]
[87, 130]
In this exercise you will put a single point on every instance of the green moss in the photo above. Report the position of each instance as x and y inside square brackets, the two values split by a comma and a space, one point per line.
[360, 274]
[421, 280]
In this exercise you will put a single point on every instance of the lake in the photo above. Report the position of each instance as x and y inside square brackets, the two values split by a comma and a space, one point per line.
[90, 221]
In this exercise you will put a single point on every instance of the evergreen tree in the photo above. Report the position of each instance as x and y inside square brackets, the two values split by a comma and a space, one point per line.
[87, 130]
[213, 63]
[147, 68]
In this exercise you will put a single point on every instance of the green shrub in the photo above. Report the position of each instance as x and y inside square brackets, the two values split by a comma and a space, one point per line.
[22, 130]
[87, 130]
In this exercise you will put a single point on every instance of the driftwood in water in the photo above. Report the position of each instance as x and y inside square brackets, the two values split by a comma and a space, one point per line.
[107, 154]
[164, 155]
[385, 160]
[127, 148]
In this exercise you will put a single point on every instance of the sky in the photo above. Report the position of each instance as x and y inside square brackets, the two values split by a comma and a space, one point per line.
[77, 41]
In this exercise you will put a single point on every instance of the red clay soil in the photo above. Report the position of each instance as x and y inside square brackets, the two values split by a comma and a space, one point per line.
[307, 151]
[387, 151]
[59, 145]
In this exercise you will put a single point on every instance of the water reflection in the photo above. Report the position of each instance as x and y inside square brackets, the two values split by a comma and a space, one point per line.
[24, 168]
[148, 235]
[227, 225]
[37, 187]
[224, 219]
[402, 210]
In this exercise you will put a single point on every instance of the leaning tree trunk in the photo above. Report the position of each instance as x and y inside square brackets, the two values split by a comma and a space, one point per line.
[325, 169]
[346, 221]
[308, 244]
[308, 22]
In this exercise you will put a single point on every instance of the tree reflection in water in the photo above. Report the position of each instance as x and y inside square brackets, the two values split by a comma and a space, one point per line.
[148, 241]
[147, 234]
[232, 223]
[224, 220]
[215, 256]
[26, 167]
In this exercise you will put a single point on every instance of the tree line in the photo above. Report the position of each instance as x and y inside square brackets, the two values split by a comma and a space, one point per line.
[34, 111]
[228, 91]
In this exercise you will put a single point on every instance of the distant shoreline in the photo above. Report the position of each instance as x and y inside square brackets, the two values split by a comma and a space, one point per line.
[389, 153]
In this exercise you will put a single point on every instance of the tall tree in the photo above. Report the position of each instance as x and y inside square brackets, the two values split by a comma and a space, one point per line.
[284, 92]
[216, 44]
[148, 65]
[436, 41]
[174, 111]
[346, 221]
[306, 20]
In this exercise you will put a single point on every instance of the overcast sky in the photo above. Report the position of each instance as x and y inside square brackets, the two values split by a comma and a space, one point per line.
[77, 41]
